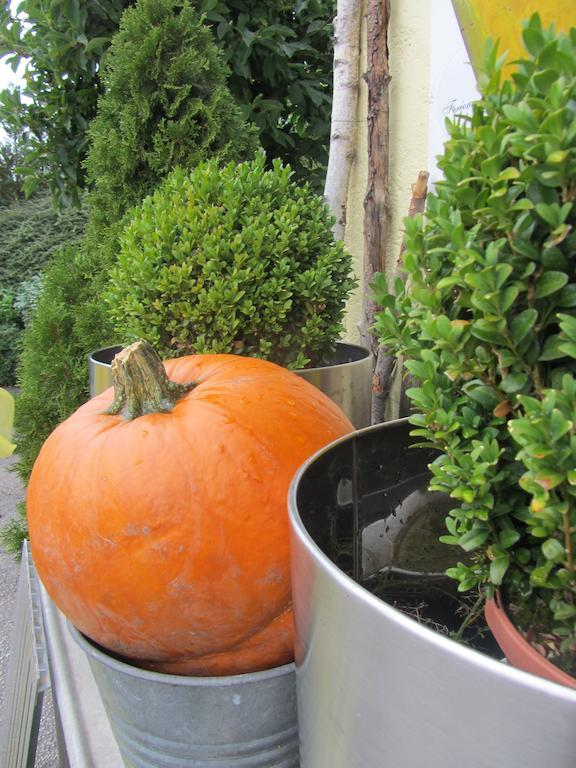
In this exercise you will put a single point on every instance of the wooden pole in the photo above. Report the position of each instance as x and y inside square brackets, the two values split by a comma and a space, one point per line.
[376, 200]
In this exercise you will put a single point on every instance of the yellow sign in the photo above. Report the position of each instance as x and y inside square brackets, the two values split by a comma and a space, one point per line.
[6, 420]
[502, 20]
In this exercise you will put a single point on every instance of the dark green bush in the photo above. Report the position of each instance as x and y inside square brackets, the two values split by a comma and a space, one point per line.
[232, 259]
[487, 321]
[165, 103]
[280, 54]
[12, 152]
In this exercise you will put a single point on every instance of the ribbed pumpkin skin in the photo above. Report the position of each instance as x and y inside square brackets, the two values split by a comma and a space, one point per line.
[165, 539]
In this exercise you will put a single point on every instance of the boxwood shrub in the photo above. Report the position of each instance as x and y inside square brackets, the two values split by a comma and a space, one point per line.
[487, 323]
[233, 259]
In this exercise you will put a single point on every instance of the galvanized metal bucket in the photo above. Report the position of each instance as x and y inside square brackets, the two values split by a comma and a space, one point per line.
[377, 689]
[347, 379]
[167, 721]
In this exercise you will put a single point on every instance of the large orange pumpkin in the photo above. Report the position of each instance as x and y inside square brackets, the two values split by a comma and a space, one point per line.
[164, 537]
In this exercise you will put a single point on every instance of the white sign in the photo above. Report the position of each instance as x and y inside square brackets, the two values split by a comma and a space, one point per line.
[452, 81]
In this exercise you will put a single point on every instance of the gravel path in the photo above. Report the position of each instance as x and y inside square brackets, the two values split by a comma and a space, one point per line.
[11, 492]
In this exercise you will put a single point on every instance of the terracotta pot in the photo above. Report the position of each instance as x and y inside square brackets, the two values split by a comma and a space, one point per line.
[517, 650]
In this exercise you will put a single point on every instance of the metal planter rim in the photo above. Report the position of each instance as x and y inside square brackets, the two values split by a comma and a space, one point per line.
[359, 350]
[362, 353]
[101, 656]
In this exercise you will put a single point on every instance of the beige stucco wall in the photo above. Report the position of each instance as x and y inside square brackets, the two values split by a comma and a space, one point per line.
[409, 45]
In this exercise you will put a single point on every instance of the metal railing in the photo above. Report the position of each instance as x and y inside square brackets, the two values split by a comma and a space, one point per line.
[27, 676]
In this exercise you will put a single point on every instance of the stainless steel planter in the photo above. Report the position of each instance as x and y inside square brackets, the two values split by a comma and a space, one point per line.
[99, 363]
[165, 721]
[347, 381]
[377, 689]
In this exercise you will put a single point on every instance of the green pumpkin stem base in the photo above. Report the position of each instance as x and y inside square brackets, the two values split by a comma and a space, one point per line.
[141, 385]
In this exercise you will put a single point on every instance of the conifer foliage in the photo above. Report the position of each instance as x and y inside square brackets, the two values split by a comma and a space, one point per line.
[166, 103]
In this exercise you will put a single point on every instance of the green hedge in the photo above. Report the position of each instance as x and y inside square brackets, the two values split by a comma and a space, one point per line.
[30, 231]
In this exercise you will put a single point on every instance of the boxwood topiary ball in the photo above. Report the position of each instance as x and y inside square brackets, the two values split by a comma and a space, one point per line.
[235, 259]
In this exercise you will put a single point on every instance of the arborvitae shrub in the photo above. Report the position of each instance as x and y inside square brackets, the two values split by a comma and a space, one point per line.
[165, 103]
[50, 371]
[232, 259]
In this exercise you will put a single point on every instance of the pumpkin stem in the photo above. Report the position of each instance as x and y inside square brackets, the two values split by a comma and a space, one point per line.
[140, 383]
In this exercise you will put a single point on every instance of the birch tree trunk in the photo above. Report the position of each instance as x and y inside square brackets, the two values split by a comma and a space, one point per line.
[376, 201]
[347, 25]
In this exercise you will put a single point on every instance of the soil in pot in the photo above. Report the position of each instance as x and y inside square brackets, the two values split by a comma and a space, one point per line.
[397, 556]
[436, 603]
[366, 504]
